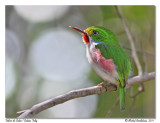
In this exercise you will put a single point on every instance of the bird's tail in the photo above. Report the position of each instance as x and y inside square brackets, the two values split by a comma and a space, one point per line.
[122, 98]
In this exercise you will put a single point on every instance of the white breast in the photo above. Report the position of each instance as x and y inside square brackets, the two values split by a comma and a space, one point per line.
[100, 71]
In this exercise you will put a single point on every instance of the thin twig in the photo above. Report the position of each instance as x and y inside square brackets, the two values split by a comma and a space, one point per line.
[144, 58]
[139, 51]
[131, 40]
[113, 107]
[132, 107]
[29, 113]
[140, 90]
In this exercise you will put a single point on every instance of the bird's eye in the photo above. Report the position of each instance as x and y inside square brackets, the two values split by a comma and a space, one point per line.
[95, 32]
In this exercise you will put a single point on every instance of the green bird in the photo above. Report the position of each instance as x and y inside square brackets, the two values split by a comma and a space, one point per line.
[107, 57]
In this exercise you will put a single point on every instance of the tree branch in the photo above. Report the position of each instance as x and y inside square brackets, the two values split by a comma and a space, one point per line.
[131, 40]
[113, 107]
[29, 113]
[141, 79]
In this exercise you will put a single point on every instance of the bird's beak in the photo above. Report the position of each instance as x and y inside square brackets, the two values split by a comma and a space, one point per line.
[78, 29]
[85, 36]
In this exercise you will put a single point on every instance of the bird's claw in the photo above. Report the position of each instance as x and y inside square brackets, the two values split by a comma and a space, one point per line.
[101, 84]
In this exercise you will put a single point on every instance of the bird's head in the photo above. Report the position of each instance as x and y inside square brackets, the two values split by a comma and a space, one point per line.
[97, 35]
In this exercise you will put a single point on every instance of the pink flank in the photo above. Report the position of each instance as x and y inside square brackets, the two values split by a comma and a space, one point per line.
[106, 64]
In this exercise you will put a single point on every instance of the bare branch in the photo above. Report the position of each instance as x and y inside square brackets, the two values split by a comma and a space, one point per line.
[132, 107]
[113, 107]
[131, 40]
[144, 58]
[141, 79]
[29, 113]
[146, 53]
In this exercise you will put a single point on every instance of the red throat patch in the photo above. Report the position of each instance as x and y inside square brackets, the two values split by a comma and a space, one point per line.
[85, 39]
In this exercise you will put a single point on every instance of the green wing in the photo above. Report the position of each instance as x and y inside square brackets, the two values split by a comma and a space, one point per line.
[119, 57]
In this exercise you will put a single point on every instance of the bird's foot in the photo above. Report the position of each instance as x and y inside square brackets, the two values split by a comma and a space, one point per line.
[108, 86]
[101, 84]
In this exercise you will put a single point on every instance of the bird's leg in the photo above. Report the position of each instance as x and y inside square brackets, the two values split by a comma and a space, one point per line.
[107, 85]
[101, 84]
